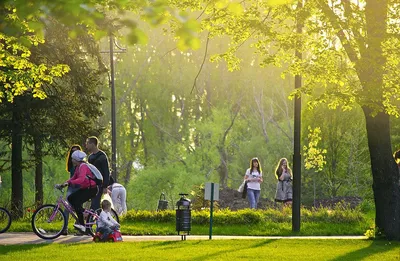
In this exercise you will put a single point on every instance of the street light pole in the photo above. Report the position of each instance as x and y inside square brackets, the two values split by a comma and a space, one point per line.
[296, 139]
[113, 112]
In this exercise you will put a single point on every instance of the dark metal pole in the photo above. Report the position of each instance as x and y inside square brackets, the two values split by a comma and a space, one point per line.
[211, 211]
[113, 114]
[296, 147]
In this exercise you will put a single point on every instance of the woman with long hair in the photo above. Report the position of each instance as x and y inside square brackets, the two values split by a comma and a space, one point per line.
[283, 173]
[254, 179]
[70, 168]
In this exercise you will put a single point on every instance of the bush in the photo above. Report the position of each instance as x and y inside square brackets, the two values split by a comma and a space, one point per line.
[340, 214]
[152, 216]
[367, 205]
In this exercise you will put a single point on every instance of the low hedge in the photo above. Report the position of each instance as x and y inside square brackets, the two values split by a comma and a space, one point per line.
[339, 214]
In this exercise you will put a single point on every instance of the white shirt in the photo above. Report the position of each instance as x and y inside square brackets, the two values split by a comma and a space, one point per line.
[253, 184]
[106, 220]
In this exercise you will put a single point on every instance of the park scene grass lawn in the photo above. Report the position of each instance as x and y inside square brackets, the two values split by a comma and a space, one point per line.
[257, 249]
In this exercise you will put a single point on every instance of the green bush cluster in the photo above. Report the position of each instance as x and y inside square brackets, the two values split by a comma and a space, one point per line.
[150, 216]
[340, 214]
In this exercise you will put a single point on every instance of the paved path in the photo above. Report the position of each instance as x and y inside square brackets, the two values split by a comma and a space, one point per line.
[31, 238]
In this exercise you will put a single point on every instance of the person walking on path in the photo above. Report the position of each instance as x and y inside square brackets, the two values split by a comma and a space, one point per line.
[254, 179]
[70, 169]
[283, 173]
[100, 160]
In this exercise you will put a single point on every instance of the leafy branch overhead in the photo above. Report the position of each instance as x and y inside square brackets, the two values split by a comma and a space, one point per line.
[18, 74]
[338, 54]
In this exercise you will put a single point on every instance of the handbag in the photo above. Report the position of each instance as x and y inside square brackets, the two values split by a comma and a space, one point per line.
[241, 187]
[244, 193]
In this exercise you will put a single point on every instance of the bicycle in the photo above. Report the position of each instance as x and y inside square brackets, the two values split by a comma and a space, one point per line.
[49, 221]
[5, 220]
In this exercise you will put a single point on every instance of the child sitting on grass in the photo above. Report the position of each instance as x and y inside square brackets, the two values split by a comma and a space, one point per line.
[106, 224]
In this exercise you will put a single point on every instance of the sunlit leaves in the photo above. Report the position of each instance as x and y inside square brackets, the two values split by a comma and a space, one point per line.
[186, 36]
[279, 2]
[391, 92]
[235, 8]
[19, 75]
[314, 156]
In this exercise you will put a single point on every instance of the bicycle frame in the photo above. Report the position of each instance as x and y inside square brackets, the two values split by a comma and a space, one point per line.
[62, 202]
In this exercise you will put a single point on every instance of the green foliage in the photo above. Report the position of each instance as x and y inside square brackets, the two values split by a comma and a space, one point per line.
[367, 206]
[152, 181]
[370, 233]
[149, 216]
[347, 170]
[314, 156]
[101, 18]
[18, 74]
[340, 214]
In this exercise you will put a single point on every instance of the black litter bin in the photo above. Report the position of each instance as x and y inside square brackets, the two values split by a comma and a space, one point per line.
[162, 203]
[183, 216]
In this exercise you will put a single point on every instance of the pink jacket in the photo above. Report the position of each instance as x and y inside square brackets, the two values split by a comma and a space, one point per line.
[79, 179]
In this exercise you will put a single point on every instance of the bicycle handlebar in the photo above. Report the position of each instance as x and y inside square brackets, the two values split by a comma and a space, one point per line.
[60, 187]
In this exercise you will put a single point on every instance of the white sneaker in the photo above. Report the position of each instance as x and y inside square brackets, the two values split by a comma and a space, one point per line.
[80, 228]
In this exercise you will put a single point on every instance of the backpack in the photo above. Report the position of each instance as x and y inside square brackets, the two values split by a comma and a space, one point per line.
[98, 178]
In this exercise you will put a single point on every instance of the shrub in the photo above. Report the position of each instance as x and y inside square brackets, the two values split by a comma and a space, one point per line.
[340, 214]
[367, 205]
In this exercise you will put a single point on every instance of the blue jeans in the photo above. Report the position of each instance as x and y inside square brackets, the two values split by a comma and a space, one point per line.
[253, 196]
[106, 231]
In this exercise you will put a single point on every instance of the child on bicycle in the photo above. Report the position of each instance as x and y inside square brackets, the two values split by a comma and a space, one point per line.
[106, 224]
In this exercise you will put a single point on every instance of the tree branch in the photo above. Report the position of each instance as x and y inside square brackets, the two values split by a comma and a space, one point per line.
[202, 63]
[337, 24]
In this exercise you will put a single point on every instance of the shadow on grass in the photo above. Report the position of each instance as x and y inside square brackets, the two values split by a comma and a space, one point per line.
[6, 249]
[169, 244]
[376, 247]
[210, 256]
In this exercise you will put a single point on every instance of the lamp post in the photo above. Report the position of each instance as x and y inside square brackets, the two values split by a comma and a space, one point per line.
[113, 114]
[113, 105]
[296, 141]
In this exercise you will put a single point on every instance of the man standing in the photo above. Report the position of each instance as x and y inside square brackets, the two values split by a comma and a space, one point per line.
[99, 159]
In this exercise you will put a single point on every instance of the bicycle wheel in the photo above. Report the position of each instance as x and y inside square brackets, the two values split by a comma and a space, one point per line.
[91, 221]
[5, 220]
[48, 222]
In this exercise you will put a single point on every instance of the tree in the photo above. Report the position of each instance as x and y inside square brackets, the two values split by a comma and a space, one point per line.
[65, 116]
[18, 75]
[356, 43]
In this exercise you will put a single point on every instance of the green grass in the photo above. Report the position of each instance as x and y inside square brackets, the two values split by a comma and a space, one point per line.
[281, 249]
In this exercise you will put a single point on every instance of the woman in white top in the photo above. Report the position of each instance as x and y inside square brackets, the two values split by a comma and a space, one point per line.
[254, 179]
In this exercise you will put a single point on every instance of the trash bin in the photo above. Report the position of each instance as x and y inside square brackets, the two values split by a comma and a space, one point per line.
[183, 216]
[162, 203]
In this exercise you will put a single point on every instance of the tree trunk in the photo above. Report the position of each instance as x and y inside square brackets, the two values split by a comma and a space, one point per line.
[128, 172]
[223, 167]
[384, 170]
[141, 131]
[385, 175]
[38, 172]
[16, 163]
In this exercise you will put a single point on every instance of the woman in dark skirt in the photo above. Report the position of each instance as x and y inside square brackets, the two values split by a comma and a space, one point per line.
[284, 175]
